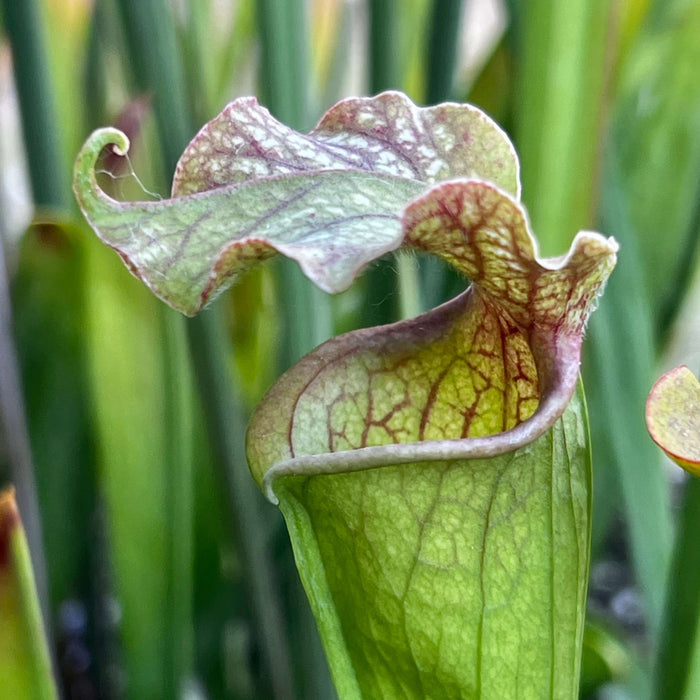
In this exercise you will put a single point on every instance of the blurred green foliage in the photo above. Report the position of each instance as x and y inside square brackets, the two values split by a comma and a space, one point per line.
[25, 662]
[162, 568]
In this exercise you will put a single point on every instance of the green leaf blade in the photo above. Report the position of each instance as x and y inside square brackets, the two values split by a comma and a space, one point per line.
[654, 143]
[25, 663]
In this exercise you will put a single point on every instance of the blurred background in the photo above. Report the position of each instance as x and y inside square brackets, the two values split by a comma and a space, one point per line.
[161, 570]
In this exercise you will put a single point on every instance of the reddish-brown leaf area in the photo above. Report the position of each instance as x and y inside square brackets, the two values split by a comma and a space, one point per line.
[9, 521]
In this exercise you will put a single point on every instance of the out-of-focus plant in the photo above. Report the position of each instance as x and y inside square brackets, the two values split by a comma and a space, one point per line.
[25, 664]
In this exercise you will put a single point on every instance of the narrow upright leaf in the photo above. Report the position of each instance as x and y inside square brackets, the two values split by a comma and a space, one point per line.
[654, 143]
[25, 666]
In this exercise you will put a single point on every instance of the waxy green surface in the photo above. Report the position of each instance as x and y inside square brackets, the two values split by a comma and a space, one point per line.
[454, 579]
[433, 473]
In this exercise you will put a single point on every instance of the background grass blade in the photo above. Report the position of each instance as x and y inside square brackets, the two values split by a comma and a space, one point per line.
[128, 386]
[561, 51]
[50, 188]
[224, 418]
[13, 428]
[437, 281]
[306, 316]
[285, 90]
[384, 46]
[383, 73]
[54, 378]
[25, 663]
[650, 185]
[443, 46]
[154, 58]
[210, 347]
[678, 642]
[654, 141]
[617, 382]
[48, 168]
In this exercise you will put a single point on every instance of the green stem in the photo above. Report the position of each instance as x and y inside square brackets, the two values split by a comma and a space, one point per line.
[384, 44]
[285, 90]
[558, 110]
[155, 61]
[383, 286]
[440, 64]
[682, 613]
[443, 49]
[226, 420]
[48, 169]
[50, 187]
